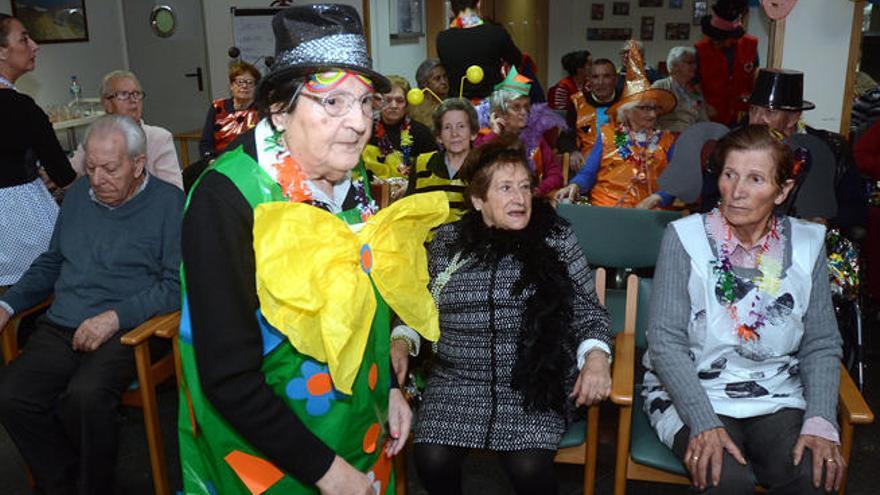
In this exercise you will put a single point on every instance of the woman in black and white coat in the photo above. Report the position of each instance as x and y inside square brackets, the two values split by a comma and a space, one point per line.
[519, 317]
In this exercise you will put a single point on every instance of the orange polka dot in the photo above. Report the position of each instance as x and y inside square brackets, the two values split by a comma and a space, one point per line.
[370, 438]
[373, 377]
[366, 258]
[319, 384]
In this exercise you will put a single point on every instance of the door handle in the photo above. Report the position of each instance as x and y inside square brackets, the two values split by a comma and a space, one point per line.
[198, 75]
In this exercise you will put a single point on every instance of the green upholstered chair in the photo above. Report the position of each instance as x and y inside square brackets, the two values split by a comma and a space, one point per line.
[616, 238]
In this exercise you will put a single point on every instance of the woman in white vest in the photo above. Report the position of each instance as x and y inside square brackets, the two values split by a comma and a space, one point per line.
[743, 346]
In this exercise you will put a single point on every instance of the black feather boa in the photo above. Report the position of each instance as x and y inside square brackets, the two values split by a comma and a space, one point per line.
[543, 363]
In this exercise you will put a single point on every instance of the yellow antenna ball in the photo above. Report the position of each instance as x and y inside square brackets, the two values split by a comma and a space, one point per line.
[474, 74]
[415, 97]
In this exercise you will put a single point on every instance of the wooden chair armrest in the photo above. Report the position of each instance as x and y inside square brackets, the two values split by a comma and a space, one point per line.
[623, 369]
[31, 310]
[853, 407]
[159, 325]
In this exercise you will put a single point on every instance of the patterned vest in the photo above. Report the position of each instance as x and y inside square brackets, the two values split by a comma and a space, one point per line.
[229, 125]
[742, 378]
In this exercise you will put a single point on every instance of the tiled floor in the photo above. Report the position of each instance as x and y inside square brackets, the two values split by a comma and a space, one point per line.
[483, 475]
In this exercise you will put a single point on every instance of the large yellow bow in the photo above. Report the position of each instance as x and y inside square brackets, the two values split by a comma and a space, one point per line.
[313, 282]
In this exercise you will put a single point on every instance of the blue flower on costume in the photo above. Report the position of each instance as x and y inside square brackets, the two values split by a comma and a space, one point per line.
[315, 386]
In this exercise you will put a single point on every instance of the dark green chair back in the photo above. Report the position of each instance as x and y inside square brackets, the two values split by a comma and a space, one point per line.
[618, 237]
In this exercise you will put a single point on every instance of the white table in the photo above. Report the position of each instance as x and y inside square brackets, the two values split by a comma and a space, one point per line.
[71, 125]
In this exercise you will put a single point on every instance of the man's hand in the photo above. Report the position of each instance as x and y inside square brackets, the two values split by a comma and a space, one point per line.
[706, 451]
[94, 331]
[825, 453]
[399, 422]
[593, 384]
[400, 359]
[343, 479]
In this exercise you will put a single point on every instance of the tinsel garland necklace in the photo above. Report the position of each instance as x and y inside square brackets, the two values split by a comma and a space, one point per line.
[386, 147]
[642, 156]
[292, 180]
[767, 281]
[290, 176]
[465, 20]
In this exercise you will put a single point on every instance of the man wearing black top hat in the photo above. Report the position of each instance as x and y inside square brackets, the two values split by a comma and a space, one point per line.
[777, 102]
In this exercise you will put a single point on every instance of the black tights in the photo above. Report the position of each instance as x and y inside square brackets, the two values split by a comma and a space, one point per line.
[530, 471]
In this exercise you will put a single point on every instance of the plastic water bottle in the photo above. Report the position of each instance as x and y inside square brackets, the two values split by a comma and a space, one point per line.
[75, 89]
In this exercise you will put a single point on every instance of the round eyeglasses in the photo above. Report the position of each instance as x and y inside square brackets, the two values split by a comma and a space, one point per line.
[339, 103]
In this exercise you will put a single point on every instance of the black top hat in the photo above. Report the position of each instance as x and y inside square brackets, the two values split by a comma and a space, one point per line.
[780, 89]
[317, 37]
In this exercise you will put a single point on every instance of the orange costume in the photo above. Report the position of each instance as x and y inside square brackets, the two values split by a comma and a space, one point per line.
[627, 176]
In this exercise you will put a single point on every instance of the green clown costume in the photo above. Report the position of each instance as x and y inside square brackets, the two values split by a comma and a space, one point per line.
[326, 286]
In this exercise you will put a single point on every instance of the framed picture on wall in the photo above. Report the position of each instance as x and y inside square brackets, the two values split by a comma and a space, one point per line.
[701, 9]
[597, 11]
[51, 21]
[650, 3]
[406, 18]
[678, 31]
[647, 33]
[609, 34]
[676, 4]
[620, 8]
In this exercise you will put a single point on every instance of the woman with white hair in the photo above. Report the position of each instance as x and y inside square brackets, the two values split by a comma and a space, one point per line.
[691, 107]
[630, 151]
[512, 112]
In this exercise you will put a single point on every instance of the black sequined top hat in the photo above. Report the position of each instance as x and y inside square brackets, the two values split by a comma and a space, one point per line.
[316, 37]
[780, 89]
[726, 20]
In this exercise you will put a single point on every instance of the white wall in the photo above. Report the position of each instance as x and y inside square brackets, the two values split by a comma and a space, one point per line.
[820, 50]
[401, 57]
[389, 56]
[569, 20]
[89, 60]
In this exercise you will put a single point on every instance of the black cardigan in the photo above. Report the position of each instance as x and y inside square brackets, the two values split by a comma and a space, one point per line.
[26, 135]
[486, 46]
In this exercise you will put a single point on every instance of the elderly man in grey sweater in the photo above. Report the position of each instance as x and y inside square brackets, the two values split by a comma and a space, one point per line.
[112, 263]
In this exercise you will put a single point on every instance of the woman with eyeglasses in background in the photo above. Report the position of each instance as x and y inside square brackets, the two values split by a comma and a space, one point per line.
[229, 117]
[27, 142]
[122, 94]
[397, 140]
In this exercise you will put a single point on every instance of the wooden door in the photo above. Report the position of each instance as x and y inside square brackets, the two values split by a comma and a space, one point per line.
[526, 21]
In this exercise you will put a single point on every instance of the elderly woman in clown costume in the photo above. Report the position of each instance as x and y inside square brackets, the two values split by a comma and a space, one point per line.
[290, 276]
[630, 152]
